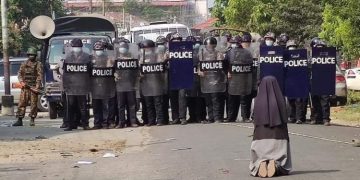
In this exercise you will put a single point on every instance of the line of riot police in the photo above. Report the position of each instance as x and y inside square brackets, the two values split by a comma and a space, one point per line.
[201, 79]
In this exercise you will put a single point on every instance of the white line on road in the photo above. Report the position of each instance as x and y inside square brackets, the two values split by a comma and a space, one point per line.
[295, 134]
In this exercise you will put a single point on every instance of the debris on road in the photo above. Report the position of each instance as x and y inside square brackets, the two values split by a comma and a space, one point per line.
[85, 162]
[181, 149]
[356, 142]
[109, 155]
[171, 139]
[76, 167]
[93, 150]
[40, 137]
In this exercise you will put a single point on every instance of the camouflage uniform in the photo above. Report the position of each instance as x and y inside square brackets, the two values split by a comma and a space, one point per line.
[30, 73]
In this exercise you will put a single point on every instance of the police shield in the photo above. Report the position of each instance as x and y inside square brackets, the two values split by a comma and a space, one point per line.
[152, 69]
[181, 65]
[195, 90]
[102, 75]
[296, 73]
[272, 63]
[323, 71]
[241, 65]
[76, 76]
[127, 69]
[211, 65]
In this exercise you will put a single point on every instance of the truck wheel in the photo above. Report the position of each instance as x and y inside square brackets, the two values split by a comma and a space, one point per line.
[42, 104]
[52, 110]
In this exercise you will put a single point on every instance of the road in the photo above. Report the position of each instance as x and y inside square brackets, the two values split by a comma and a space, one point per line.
[190, 152]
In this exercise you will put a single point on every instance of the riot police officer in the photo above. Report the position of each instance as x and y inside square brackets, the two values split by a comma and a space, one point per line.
[240, 62]
[282, 40]
[320, 112]
[269, 39]
[102, 84]
[75, 80]
[246, 43]
[30, 77]
[177, 97]
[152, 82]
[126, 78]
[298, 106]
[162, 53]
[212, 79]
[195, 99]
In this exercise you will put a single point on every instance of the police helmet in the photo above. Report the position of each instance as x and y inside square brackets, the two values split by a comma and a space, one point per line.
[31, 51]
[123, 44]
[161, 40]
[291, 43]
[198, 39]
[283, 38]
[235, 39]
[168, 36]
[176, 37]
[315, 41]
[270, 35]
[246, 38]
[210, 41]
[99, 45]
[191, 39]
[147, 44]
[76, 42]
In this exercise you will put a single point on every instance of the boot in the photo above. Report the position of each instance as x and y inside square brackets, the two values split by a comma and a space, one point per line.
[32, 122]
[18, 122]
[183, 121]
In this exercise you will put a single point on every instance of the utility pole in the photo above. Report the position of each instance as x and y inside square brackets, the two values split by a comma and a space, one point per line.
[123, 11]
[103, 7]
[7, 99]
[91, 6]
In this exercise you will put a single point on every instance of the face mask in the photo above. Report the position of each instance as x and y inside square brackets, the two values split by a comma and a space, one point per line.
[269, 42]
[99, 53]
[196, 46]
[32, 58]
[147, 52]
[234, 46]
[76, 50]
[210, 47]
[291, 48]
[245, 45]
[123, 50]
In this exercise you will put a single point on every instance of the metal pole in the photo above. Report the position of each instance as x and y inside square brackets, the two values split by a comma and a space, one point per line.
[123, 11]
[103, 7]
[7, 100]
[91, 6]
[5, 42]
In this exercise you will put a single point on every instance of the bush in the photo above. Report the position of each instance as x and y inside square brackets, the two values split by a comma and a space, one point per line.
[353, 97]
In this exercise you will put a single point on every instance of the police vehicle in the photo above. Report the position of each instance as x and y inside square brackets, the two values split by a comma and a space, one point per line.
[57, 34]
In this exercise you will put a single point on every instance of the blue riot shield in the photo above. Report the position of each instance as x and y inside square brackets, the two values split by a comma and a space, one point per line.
[296, 73]
[272, 63]
[181, 65]
[323, 71]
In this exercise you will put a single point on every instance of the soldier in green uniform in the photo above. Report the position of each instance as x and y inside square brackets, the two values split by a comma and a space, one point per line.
[30, 77]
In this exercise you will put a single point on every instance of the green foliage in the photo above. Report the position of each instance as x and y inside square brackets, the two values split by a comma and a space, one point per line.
[353, 97]
[20, 13]
[218, 11]
[143, 10]
[341, 26]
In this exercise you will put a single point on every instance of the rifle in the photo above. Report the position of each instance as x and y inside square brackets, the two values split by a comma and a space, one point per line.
[32, 89]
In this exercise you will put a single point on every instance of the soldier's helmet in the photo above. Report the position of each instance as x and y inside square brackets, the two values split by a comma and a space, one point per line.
[146, 44]
[283, 38]
[176, 37]
[246, 37]
[31, 51]
[235, 39]
[291, 43]
[161, 40]
[76, 42]
[210, 41]
[270, 35]
[99, 45]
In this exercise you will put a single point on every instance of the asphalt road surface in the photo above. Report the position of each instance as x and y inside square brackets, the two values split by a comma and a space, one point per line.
[190, 152]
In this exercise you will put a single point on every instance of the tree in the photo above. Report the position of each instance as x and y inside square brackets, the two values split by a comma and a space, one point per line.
[218, 11]
[341, 26]
[20, 13]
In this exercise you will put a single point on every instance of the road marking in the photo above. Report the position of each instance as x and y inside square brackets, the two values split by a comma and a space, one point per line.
[296, 134]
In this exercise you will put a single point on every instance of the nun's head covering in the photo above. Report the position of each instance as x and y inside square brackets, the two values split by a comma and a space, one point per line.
[270, 106]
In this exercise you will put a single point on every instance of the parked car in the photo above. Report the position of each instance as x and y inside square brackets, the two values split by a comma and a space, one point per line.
[14, 68]
[340, 97]
[353, 79]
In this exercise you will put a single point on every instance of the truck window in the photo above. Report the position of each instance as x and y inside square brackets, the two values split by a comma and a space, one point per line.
[56, 50]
